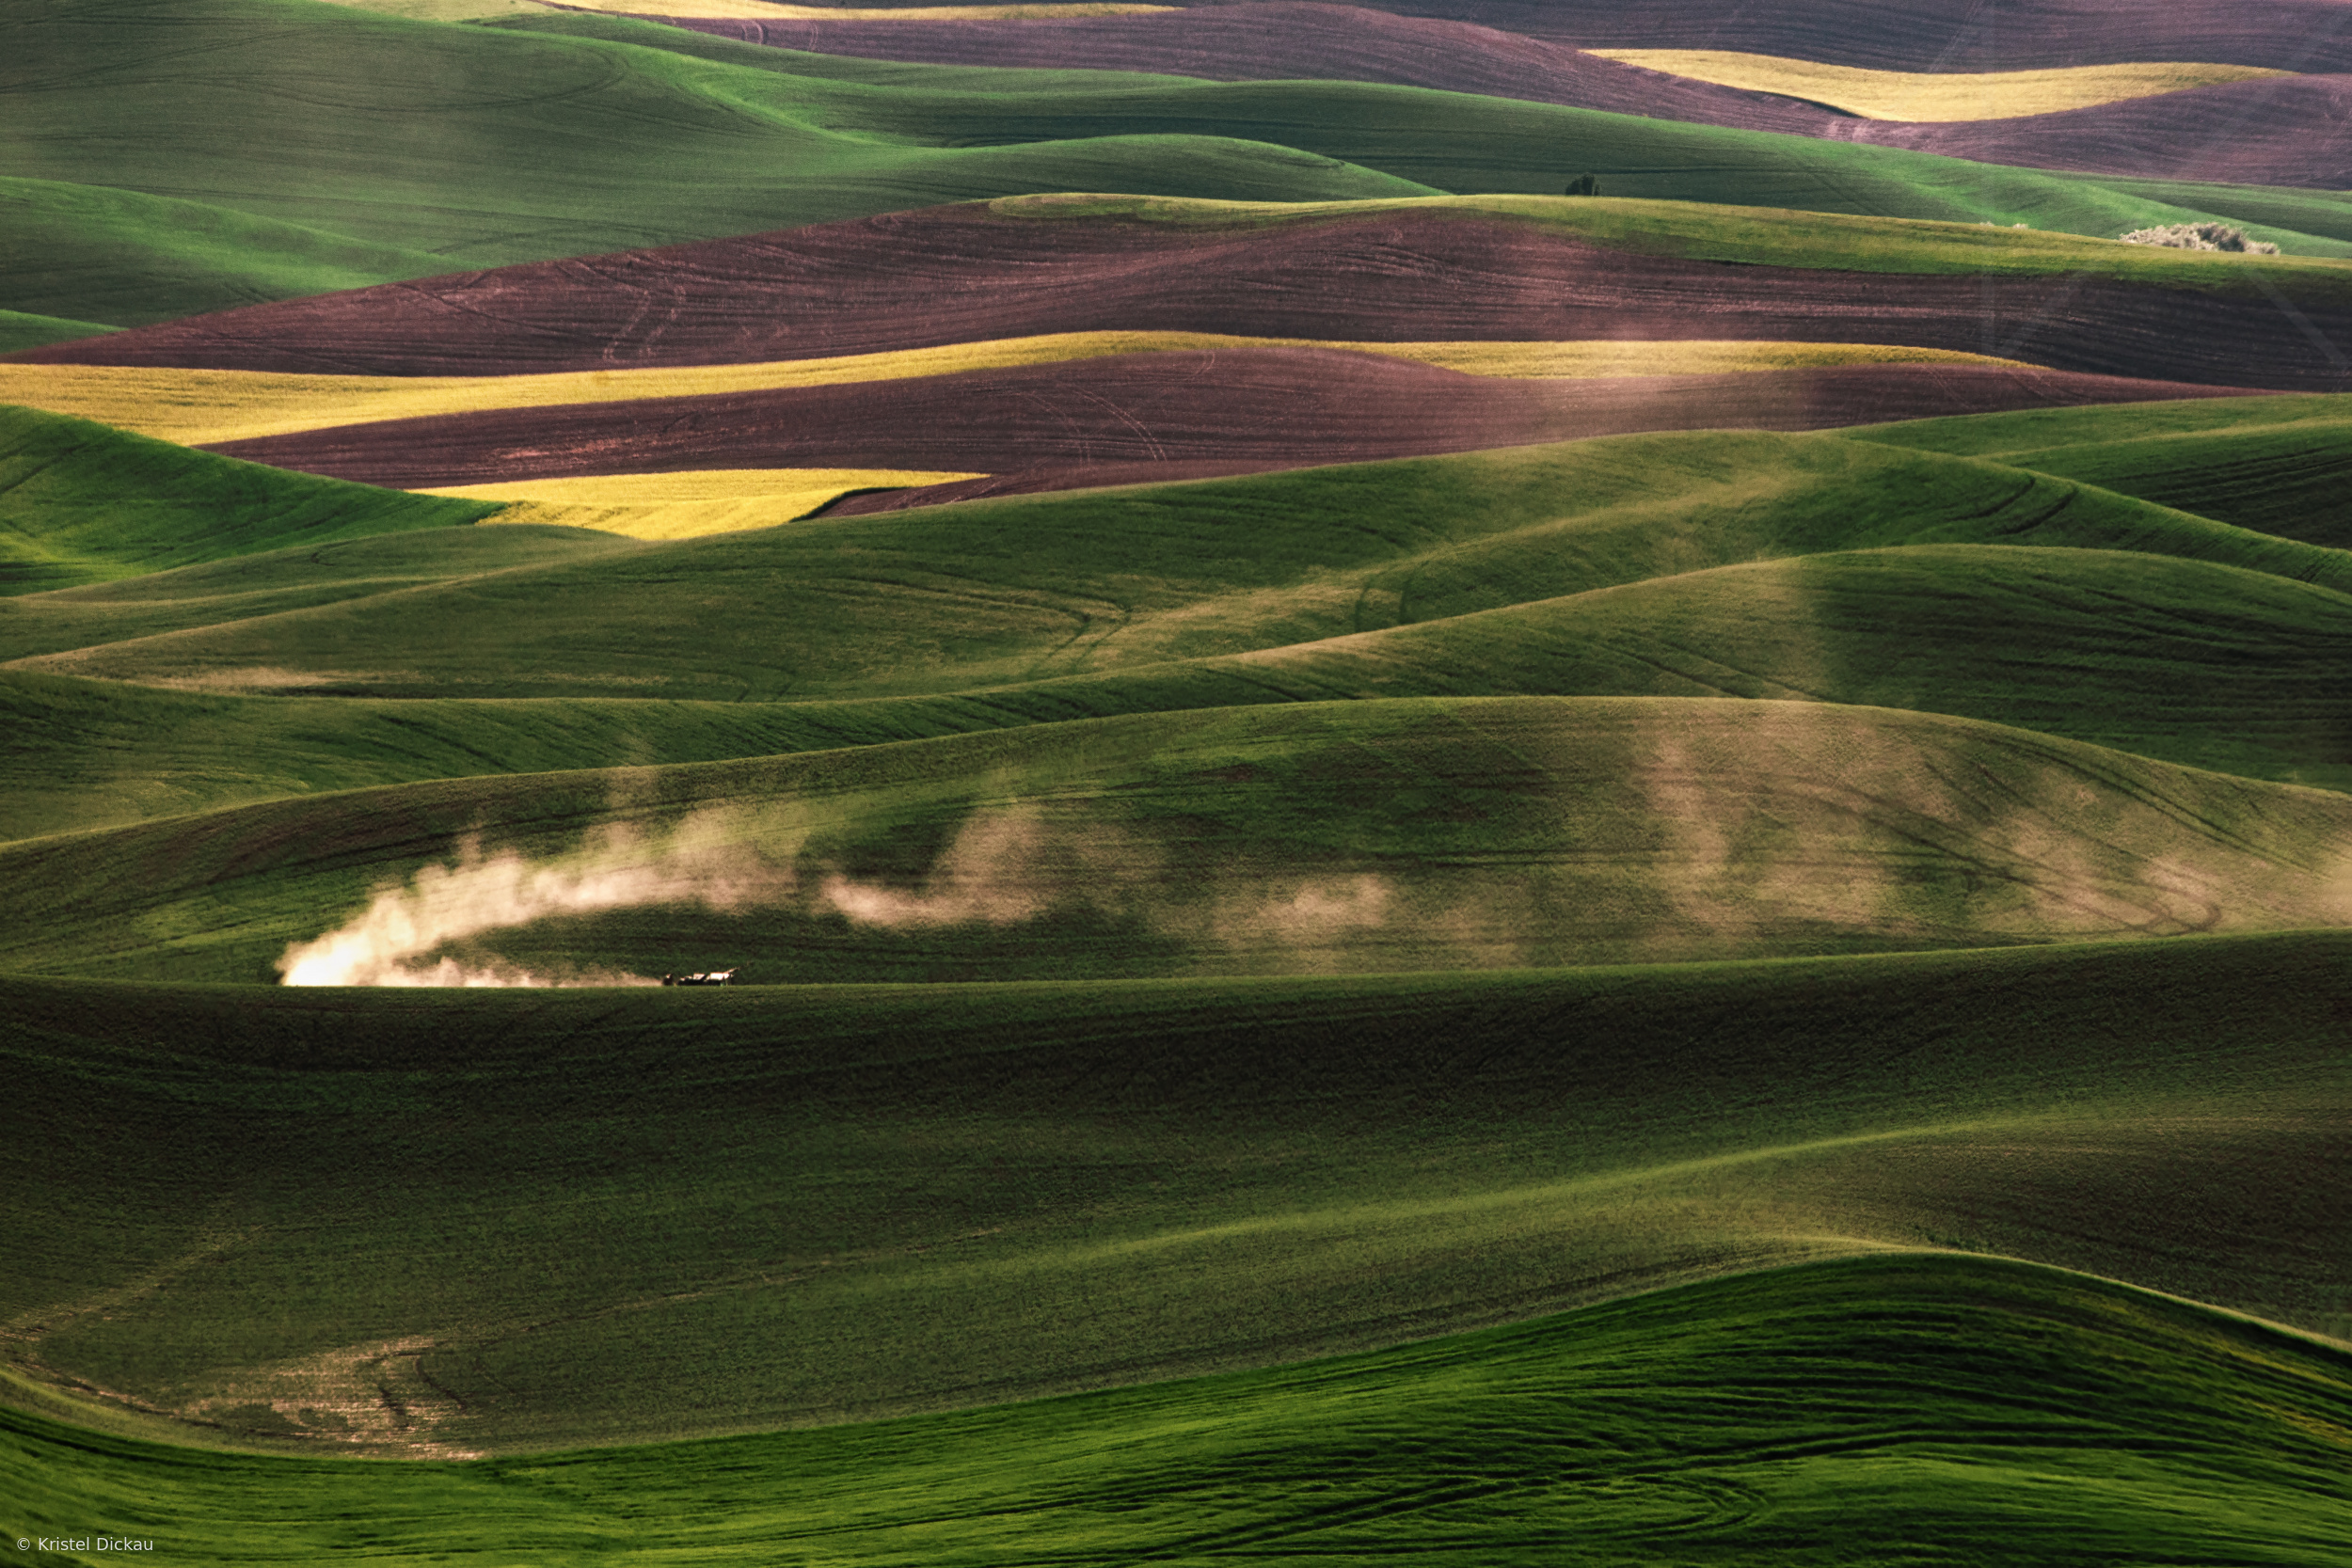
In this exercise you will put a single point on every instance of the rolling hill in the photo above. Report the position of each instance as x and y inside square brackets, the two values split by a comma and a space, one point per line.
[1360, 836]
[1411, 865]
[2234, 123]
[1933, 35]
[1723, 1423]
[83, 502]
[661, 1215]
[1554, 269]
[512, 140]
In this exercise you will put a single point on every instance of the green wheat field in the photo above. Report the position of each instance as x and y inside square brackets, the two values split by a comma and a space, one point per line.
[1469, 804]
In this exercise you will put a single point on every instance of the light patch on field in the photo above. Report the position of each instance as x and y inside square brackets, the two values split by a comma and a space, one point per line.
[1907, 95]
[1591, 361]
[374, 1395]
[690, 504]
[256, 678]
[203, 407]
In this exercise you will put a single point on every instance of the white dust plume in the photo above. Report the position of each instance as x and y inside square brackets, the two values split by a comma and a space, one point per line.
[701, 861]
[1004, 867]
[988, 875]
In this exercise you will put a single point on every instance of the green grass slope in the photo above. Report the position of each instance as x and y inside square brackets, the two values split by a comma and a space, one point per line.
[1295, 837]
[2277, 465]
[931, 600]
[270, 582]
[95, 753]
[2321, 212]
[19, 330]
[1724, 231]
[130, 260]
[1749, 566]
[483, 147]
[2214, 667]
[1272, 1075]
[434, 1222]
[283, 145]
[1464, 143]
[83, 502]
[1803, 1417]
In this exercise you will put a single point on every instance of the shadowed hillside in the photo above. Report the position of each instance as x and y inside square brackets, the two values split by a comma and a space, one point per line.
[1730, 1423]
[648, 1208]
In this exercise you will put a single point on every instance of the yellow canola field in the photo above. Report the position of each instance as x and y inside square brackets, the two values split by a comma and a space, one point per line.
[758, 11]
[205, 407]
[685, 506]
[1917, 96]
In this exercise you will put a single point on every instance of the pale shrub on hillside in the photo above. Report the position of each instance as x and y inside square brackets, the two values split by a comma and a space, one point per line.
[2200, 236]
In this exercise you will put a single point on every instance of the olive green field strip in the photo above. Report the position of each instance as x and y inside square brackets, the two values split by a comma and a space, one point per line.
[2218, 123]
[1714, 564]
[20, 330]
[1279, 40]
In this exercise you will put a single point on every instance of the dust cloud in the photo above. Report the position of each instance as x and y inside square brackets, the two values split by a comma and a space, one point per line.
[698, 862]
[987, 875]
[1004, 867]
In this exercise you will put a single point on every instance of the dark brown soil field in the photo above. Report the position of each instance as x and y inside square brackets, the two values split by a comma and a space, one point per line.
[1934, 35]
[1250, 408]
[962, 274]
[2274, 131]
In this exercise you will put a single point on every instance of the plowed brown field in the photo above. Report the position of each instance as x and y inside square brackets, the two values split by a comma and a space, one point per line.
[965, 273]
[2272, 132]
[1934, 35]
[1248, 408]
